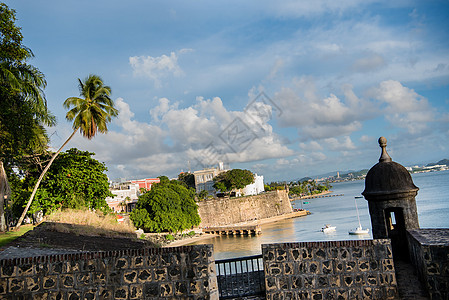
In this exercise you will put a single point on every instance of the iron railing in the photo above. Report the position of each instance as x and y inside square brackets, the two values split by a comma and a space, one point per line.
[240, 277]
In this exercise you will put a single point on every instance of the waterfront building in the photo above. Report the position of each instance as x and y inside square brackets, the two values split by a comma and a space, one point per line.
[204, 178]
[127, 193]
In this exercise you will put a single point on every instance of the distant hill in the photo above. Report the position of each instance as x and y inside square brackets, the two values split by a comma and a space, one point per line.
[441, 162]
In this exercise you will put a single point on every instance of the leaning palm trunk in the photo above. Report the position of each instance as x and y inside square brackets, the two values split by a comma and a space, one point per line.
[19, 223]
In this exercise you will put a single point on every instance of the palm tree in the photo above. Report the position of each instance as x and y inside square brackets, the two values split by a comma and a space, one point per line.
[90, 114]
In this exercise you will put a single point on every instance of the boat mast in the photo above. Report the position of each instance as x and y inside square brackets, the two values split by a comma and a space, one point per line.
[357, 209]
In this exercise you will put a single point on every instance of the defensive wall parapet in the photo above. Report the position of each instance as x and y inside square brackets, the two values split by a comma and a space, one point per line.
[226, 211]
[361, 269]
[151, 273]
[429, 253]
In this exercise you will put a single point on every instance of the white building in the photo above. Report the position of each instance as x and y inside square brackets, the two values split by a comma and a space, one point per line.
[254, 188]
[126, 196]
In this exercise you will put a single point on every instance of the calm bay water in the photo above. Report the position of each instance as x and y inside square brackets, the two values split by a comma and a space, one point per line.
[433, 212]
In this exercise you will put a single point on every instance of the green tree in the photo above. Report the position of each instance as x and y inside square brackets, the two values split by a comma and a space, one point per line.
[188, 179]
[23, 108]
[168, 207]
[90, 113]
[233, 179]
[76, 180]
[203, 194]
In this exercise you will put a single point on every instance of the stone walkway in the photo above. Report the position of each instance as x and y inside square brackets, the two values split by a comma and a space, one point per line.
[408, 284]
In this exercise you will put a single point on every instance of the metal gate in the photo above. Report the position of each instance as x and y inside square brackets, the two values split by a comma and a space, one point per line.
[240, 277]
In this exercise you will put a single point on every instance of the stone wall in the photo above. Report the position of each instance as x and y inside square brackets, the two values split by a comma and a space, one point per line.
[429, 253]
[226, 211]
[361, 269]
[152, 273]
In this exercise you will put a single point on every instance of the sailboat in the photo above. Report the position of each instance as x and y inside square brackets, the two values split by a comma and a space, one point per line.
[359, 229]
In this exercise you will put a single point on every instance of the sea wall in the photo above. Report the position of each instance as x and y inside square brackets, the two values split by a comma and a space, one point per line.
[151, 273]
[226, 211]
[361, 269]
[429, 253]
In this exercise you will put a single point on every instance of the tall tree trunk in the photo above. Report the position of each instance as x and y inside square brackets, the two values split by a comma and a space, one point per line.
[19, 223]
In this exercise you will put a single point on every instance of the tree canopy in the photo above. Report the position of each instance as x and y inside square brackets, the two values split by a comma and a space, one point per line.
[168, 207]
[75, 180]
[233, 179]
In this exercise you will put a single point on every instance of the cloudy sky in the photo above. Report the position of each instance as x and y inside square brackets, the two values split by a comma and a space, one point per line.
[286, 89]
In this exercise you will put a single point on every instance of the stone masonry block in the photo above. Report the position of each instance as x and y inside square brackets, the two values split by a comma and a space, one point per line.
[320, 254]
[130, 277]
[137, 262]
[121, 263]
[387, 265]
[270, 283]
[351, 266]
[25, 270]
[334, 280]
[144, 276]
[90, 265]
[50, 282]
[166, 289]
[8, 271]
[67, 281]
[56, 295]
[296, 282]
[357, 252]
[363, 265]
[90, 294]
[313, 267]
[268, 256]
[281, 255]
[160, 274]
[105, 293]
[180, 288]
[3, 286]
[274, 269]
[152, 260]
[121, 292]
[195, 287]
[136, 291]
[40, 296]
[83, 279]
[15, 285]
[289, 268]
[33, 284]
[327, 267]
[99, 278]
[293, 255]
[58, 268]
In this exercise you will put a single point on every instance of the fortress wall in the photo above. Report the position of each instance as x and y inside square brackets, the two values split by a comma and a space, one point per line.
[151, 273]
[226, 211]
[429, 253]
[360, 269]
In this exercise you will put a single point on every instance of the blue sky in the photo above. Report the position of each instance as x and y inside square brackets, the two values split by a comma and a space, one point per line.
[286, 89]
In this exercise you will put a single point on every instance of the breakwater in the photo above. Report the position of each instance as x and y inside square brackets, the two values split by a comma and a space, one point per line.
[316, 196]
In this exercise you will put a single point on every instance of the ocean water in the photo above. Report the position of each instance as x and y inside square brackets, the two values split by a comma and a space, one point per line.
[433, 212]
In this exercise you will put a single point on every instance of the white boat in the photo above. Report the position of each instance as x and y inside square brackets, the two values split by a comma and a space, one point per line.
[328, 228]
[359, 229]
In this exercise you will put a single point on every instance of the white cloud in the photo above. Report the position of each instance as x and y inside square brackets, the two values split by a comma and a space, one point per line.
[342, 144]
[319, 118]
[156, 68]
[404, 107]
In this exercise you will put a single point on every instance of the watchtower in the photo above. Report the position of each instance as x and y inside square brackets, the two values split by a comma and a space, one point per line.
[390, 192]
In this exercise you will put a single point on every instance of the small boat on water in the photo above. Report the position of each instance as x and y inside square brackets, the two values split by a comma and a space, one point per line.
[358, 197]
[328, 228]
[359, 229]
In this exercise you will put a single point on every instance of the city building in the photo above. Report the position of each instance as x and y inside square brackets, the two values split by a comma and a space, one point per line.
[127, 193]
